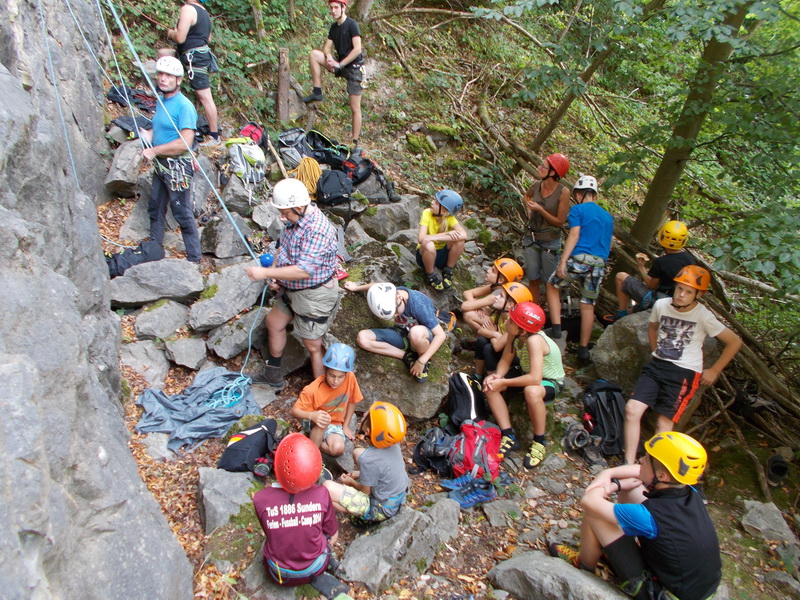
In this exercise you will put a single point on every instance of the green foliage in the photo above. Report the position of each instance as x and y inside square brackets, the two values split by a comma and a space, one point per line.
[209, 292]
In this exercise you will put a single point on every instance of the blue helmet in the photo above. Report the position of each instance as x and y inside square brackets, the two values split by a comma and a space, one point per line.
[450, 200]
[340, 357]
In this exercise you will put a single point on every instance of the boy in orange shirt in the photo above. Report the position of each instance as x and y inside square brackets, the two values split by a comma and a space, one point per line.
[329, 401]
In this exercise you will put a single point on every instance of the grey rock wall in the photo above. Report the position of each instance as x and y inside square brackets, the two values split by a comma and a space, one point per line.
[76, 520]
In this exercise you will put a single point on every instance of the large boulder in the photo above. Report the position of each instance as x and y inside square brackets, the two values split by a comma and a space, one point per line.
[535, 575]
[388, 218]
[241, 198]
[173, 279]
[77, 520]
[227, 294]
[624, 349]
[161, 320]
[221, 495]
[146, 359]
[267, 217]
[227, 340]
[187, 352]
[765, 520]
[137, 226]
[222, 239]
[201, 187]
[124, 171]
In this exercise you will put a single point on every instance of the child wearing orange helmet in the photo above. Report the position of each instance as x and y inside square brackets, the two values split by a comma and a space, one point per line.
[377, 490]
[678, 327]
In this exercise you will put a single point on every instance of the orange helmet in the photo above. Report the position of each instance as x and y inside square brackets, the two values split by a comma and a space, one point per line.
[520, 293]
[695, 277]
[528, 316]
[298, 463]
[387, 425]
[509, 268]
[559, 163]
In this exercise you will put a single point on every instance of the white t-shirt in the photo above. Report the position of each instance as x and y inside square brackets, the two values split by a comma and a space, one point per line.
[681, 335]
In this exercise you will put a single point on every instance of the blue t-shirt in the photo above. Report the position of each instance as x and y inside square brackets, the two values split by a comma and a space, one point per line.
[182, 113]
[420, 308]
[636, 520]
[597, 227]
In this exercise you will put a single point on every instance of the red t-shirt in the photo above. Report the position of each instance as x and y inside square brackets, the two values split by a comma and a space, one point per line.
[318, 395]
[296, 532]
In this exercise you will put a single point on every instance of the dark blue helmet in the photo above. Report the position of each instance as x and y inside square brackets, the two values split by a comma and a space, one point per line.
[450, 200]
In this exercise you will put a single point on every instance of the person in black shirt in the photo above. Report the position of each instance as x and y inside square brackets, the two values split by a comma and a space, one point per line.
[677, 549]
[345, 37]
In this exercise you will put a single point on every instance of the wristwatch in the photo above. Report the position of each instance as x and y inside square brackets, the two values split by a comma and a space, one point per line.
[619, 485]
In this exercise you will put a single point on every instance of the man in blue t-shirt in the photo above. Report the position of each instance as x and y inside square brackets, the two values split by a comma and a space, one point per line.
[168, 148]
[417, 333]
[583, 259]
[677, 554]
[345, 37]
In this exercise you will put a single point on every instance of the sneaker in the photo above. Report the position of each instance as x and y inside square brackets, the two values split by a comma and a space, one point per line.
[269, 375]
[435, 281]
[594, 456]
[211, 142]
[447, 278]
[564, 552]
[457, 483]
[262, 467]
[476, 493]
[312, 97]
[534, 456]
[507, 444]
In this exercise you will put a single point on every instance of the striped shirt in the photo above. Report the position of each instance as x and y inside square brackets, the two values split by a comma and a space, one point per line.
[310, 244]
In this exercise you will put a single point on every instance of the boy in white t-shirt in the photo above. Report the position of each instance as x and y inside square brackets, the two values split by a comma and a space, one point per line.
[678, 328]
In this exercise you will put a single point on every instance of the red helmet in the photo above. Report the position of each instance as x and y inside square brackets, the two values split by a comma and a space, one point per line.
[559, 163]
[344, 2]
[298, 463]
[528, 316]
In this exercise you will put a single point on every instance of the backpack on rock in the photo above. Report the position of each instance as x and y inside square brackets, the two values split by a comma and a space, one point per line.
[251, 447]
[476, 450]
[605, 402]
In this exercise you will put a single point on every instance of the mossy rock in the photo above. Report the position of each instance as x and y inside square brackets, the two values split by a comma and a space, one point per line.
[249, 421]
[420, 144]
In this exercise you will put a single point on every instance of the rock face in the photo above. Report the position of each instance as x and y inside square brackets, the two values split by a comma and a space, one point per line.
[77, 521]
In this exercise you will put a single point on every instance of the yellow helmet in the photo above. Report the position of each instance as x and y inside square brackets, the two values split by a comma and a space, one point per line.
[509, 268]
[673, 235]
[387, 425]
[683, 456]
[520, 293]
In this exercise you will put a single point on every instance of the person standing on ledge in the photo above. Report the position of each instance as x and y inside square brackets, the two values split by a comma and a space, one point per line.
[345, 37]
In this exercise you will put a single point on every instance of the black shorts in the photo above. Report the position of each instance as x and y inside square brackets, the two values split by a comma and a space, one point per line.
[354, 74]
[631, 569]
[666, 388]
[198, 65]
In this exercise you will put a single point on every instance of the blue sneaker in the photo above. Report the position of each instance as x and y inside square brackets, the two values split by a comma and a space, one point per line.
[474, 493]
[457, 483]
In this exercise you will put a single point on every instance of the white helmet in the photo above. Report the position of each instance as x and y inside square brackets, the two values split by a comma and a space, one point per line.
[169, 65]
[290, 193]
[585, 182]
[382, 300]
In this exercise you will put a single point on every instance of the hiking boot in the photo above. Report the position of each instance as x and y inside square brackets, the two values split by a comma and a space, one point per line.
[564, 552]
[777, 470]
[575, 438]
[269, 375]
[583, 354]
[475, 493]
[447, 278]
[457, 483]
[262, 467]
[507, 444]
[534, 456]
[594, 456]
[435, 281]
[313, 97]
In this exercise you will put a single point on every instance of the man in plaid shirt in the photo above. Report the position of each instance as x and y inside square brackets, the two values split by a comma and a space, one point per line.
[304, 276]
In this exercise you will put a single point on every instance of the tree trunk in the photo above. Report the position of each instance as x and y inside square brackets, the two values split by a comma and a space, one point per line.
[283, 85]
[360, 10]
[258, 17]
[684, 135]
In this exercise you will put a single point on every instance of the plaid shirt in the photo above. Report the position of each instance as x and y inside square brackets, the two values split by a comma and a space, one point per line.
[310, 244]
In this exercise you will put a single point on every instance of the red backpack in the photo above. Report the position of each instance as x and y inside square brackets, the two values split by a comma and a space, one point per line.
[476, 450]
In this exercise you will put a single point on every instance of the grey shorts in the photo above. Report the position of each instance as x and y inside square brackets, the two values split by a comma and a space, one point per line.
[313, 309]
[587, 271]
[635, 288]
[354, 76]
[541, 259]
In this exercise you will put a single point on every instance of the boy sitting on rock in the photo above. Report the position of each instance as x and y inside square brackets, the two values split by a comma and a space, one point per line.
[298, 519]
[377, 490]
[329, 401]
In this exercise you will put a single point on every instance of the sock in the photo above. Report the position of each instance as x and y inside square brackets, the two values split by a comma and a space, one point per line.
[508, 433]
[274, 362]
[355, 143]
[540, 439]
[317, 91]
[555, 331]
[622, 313]
[214, 134]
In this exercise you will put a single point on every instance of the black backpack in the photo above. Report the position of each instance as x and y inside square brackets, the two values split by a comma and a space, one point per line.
[293, 146]
[333, 188]
[605, 402]
[245, 447]
[357, 166]
[326, 151]
[432, 451]
[465, 402]
[147, 251]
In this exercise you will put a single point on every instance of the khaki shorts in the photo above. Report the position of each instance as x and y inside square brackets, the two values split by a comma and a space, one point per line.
[313, 309]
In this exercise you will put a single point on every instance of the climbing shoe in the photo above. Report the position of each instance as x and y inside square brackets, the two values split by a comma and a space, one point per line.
[648, 301]
[325, 475]
[575, 438]
[507, 444]
[564, 552]
[447, 278]
[409, 358]
[457, 483]
[313, 97]
[534, 456]
[423, 377]
[329, 586]
[477, 492]
[262, 467]
[269, 375]
[435, 281]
